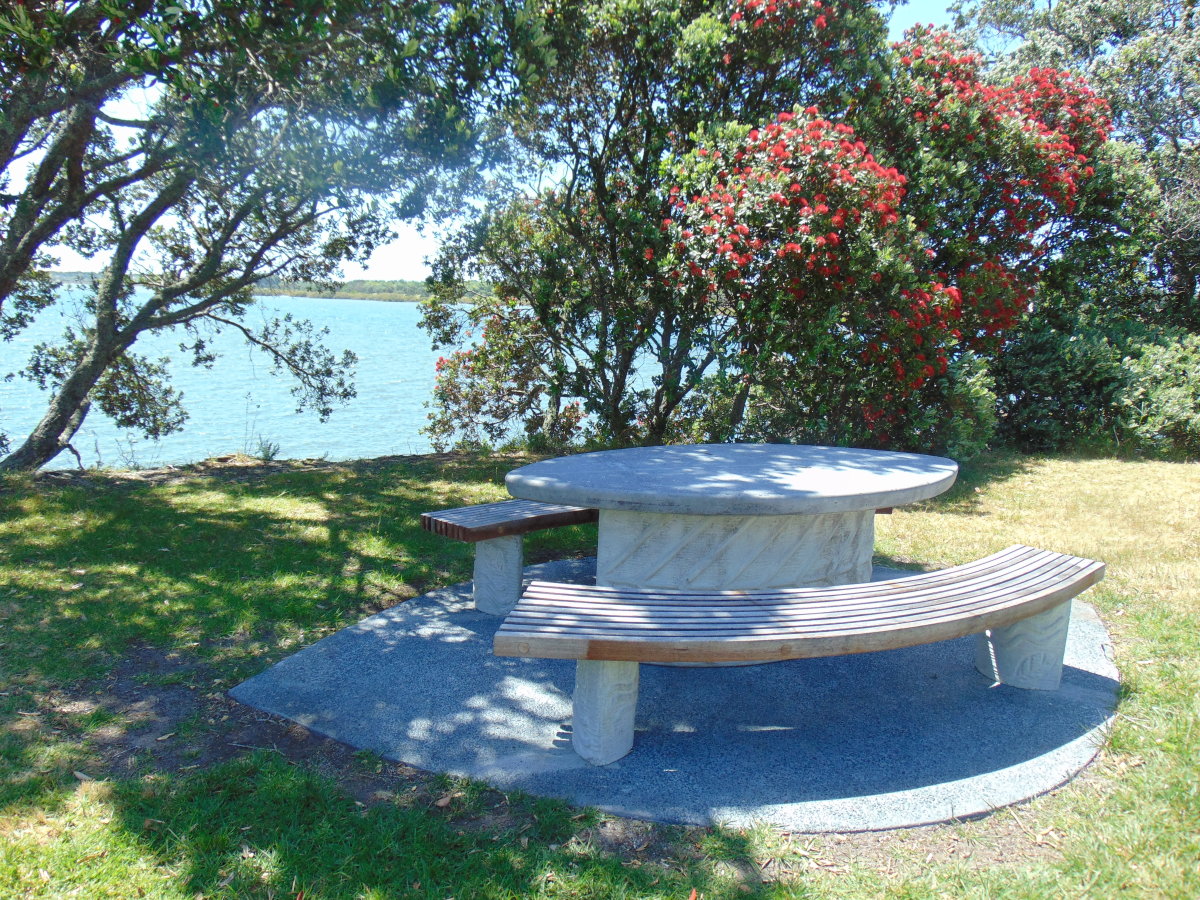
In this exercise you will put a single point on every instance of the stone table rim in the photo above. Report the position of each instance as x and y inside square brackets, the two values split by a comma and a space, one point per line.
[926, 476]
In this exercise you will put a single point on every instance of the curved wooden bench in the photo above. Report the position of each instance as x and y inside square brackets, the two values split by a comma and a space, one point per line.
[496, 529]
[1016, 600]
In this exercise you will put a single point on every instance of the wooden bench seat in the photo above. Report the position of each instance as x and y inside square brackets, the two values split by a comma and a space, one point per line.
[1016, 600]
[496, 530]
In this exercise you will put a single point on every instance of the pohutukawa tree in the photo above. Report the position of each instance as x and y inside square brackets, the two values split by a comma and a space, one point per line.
[1144, 57]
[580, 314]
[278, 139]
[1088, 364]
[855, 280]
[774, 227]
[825, 274]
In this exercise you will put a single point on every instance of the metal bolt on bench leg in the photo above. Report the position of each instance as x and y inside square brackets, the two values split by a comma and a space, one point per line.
[605, 702]
[1029, 653]
[498, 566]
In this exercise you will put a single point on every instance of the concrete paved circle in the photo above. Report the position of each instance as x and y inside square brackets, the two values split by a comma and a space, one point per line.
[873, 741]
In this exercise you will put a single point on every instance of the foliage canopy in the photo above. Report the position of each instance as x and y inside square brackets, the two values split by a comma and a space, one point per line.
[274, 140]
[748, 269]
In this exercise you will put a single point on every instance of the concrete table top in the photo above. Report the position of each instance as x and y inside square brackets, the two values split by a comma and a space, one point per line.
[735, 479]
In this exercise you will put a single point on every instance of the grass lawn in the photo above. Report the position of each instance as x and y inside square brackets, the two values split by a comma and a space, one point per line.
[129, 605]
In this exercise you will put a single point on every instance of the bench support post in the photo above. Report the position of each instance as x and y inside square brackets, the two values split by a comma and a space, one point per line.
[605, 702]
[1029, 653]
[498, 566]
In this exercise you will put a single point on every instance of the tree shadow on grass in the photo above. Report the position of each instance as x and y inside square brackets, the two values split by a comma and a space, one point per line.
[191, 587]
[209, 566]
[258, 827]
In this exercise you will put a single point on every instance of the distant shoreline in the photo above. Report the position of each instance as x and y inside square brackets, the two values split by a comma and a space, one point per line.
[357, 289]
[338, 295]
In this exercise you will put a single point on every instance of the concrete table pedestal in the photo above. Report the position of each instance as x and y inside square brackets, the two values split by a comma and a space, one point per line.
[666, 550]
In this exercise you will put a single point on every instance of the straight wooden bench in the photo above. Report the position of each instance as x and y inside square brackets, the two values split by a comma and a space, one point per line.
[496, 530]
[1017, 601]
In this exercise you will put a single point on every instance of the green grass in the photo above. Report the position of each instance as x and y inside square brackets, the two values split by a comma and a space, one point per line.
[126, 611]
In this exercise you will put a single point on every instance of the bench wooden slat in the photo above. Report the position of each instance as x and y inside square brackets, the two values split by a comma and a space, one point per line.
[747, 630]
[610, 624]
[753, 649]
[818, 604]
[486, 521]
[811, 609]
[1005, 562]
[913, 602]
[894, 615]
[962, 607]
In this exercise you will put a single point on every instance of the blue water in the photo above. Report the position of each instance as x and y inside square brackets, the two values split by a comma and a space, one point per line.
[240, 403]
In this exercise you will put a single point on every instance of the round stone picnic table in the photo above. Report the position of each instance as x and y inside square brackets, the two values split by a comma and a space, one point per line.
[734, 516]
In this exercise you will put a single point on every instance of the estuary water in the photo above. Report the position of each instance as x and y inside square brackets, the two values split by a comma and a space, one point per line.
[240, 404]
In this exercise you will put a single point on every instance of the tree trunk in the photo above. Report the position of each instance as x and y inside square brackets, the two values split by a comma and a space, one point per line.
[553, 413]
[737, 414]
[64, 415]
[43, 207]
[1185, 278]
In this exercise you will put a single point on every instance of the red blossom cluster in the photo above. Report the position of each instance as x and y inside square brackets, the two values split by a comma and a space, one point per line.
[792, 188]
[799, 232]
[819, 24]
[801, 208]
[1065, 119]
[1025, 188]
[788, 14]
[459, 359]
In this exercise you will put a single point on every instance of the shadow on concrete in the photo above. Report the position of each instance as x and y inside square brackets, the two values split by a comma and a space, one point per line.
[877, 740]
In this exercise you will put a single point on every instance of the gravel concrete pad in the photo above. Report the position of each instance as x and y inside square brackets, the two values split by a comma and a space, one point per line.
[855, 743]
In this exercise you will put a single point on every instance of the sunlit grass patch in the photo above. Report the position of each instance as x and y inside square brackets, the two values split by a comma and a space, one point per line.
[1143, 520]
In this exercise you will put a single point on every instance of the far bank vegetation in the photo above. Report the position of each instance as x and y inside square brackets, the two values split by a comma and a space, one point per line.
[359, 289]
[391, 291]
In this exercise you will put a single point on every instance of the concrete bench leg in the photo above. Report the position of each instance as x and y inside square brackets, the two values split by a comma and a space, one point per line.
[1029, 653]
[605, 702]
[498, 567]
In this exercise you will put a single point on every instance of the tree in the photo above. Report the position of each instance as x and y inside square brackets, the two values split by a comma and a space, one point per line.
[1078, 371]
[281, 140]
[582, 309]
[835, 272]
[1143, 56]
[857, 278]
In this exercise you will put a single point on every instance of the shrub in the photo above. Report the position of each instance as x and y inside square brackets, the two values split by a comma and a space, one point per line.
[970, 400]
[1161, 404]
[1060, 387]
[1100, 383]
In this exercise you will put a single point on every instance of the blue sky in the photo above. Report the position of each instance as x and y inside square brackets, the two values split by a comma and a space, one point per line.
[925, 12]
